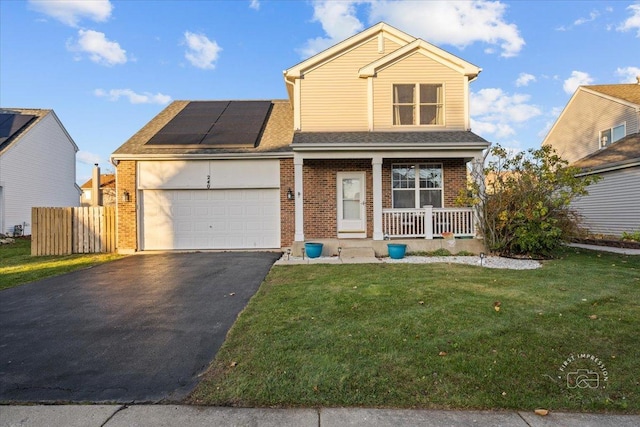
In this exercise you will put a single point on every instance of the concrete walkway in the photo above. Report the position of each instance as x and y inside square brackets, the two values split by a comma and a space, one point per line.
[624, 251]
[194, 416]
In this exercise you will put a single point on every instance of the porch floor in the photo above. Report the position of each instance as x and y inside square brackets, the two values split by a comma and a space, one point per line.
[330, 246]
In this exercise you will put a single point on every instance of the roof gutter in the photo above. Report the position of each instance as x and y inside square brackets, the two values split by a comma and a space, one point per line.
[611, 167]
[390, 147]
[115, 158]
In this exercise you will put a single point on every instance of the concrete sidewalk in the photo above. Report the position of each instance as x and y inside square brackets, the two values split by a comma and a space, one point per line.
[624, 251]
[179, 415]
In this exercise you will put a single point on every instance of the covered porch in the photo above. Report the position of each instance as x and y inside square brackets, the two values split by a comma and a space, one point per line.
[356, 196]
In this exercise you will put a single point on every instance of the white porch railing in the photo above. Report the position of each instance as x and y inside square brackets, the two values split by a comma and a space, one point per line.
[428, 222]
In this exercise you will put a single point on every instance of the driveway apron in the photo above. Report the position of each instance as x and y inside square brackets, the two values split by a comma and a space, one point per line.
[140, 329]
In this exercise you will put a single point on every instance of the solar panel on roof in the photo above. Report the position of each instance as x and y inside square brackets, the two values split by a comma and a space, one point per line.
[11, 123]
[216, 124]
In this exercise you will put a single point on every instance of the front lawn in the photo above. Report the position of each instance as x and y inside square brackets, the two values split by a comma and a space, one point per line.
[17, 266]
[429, 336]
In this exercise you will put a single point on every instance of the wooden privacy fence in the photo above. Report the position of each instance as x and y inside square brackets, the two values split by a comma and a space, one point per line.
[75, 230]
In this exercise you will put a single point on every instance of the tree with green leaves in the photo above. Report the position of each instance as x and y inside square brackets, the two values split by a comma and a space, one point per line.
[524, 199]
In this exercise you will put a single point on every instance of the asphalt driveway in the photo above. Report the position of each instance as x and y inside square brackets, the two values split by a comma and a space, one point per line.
[140, 329]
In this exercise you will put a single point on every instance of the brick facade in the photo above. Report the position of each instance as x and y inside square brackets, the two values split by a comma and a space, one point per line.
[287, 207]
[320, 192]
[127, 238]
[320, 195]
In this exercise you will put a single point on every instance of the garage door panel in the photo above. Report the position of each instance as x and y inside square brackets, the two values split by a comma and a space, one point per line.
[211, 219]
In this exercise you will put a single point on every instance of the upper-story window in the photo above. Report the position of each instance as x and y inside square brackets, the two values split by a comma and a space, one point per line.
[418, 104]
[611, 135]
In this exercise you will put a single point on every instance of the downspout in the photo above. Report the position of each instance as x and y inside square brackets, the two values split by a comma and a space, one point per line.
[96, 197]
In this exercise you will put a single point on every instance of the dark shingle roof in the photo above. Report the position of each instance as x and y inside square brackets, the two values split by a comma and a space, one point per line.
[37, 114]
[275, 138]
[449, 137]
[621, 152]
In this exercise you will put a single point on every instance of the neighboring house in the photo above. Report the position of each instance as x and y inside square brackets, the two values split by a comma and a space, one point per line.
[598, 131]
[613, 204]
[102, 195]
[372, 143]
[37, 166]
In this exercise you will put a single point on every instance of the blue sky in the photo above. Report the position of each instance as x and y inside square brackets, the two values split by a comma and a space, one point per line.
[108, 67]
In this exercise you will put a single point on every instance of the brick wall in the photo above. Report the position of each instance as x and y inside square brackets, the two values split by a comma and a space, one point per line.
[287, 207]
[127, 240]
[320, 210]
[320, 195]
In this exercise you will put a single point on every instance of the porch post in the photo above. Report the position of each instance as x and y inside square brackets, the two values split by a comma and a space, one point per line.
[298, 161]
[477, 173]
[428, 222]
[376, 163]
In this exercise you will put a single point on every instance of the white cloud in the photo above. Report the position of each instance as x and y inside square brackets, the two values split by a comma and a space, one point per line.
[592, 17]
[134, 98]
[439, 22]
[99, 48]
[70, 12]
[87, 158]
[500, 130]
[338, 20]
[578, 78]
[633, 22]
[524, 79]
[495, 112]
[455, 23]
[255, 4]
[628, 74]
[201, 52]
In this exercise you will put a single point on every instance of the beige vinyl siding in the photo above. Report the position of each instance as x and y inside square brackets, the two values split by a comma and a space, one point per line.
[613, 204]
[418, 68]
[577, 132]
[333, 97]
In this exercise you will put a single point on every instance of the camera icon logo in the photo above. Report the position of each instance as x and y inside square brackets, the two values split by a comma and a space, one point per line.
[583, 378]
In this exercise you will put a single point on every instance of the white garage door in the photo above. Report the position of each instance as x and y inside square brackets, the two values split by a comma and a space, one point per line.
[211, 219]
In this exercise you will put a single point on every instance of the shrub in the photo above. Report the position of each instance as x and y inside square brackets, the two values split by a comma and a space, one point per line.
[524, 203]
[635, 236]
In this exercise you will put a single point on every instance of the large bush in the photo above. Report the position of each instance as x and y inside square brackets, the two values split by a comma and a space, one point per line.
[524, 201]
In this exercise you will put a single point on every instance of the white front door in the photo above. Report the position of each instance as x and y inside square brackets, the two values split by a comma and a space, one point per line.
[352, 212]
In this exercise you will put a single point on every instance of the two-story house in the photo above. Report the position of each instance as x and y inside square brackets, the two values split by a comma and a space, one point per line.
[372, 143]
[599, 132]
[37, 166]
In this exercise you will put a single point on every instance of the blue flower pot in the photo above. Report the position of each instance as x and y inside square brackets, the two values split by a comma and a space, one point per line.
[396, 250]
[313, 250]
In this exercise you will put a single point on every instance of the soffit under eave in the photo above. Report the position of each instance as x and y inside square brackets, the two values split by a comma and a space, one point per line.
[393, 34]
[427, 49]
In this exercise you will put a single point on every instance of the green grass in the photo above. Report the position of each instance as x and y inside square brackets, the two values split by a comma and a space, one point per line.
[427, 336]
[17, 266]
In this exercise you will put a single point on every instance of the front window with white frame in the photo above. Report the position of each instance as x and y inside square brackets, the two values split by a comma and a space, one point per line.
[416, 185]
[611, 135]
[418, 104]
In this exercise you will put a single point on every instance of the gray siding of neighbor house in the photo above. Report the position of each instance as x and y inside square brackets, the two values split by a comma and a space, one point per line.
[613, 204]
[38, 170]
[576, 135]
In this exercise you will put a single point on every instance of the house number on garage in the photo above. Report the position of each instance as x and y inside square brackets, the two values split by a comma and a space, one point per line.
[208, 182]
